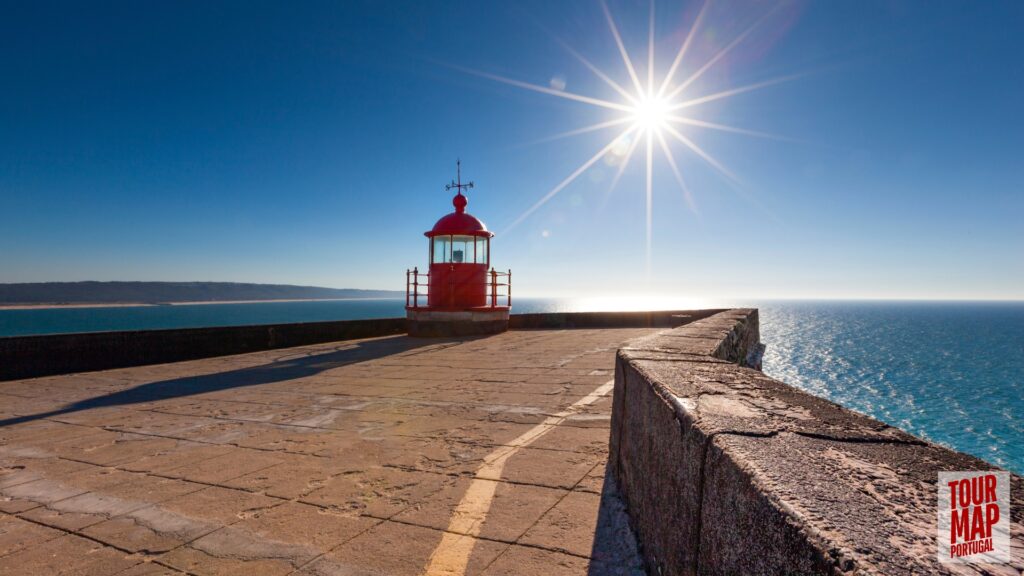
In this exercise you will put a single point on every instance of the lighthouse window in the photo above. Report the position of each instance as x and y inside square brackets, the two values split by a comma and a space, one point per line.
[481, 251]
[456, 250]
[462, 249]
[442, 249]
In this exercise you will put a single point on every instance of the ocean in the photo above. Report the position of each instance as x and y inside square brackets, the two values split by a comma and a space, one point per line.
[946, 371]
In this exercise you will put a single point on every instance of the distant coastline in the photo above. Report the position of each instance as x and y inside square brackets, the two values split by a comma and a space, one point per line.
[93, 294]
[51, 305]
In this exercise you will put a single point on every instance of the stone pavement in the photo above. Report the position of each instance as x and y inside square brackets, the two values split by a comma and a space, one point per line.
[381, 456]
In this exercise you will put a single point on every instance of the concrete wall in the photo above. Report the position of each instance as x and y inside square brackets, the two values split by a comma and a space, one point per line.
[727, 471]
[33, 356]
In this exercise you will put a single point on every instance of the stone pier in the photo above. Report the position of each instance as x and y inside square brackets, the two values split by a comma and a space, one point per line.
[576, 444]
[380, 456]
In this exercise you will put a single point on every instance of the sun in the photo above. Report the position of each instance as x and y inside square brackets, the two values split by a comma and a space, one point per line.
[650, 111]
[651, 114]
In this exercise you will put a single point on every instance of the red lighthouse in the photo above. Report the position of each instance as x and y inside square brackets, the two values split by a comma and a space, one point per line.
[462, 290]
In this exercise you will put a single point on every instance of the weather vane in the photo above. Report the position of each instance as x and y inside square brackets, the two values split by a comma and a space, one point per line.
[457, 184]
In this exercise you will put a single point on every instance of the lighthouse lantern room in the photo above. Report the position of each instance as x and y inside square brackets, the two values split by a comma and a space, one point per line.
[463, 293]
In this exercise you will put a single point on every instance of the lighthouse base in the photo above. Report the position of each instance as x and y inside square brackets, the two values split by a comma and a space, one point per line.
[435, 322]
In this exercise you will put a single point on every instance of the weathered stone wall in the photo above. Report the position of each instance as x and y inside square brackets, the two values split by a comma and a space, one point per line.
[727, 471]
[32, 356]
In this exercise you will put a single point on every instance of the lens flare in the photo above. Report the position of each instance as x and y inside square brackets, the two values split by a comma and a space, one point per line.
[649, 112]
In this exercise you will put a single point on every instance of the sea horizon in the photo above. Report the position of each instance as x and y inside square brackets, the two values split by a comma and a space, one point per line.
[579, 304]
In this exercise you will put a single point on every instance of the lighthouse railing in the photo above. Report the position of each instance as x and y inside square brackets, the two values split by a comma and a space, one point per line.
[500, 286]
[417, 285]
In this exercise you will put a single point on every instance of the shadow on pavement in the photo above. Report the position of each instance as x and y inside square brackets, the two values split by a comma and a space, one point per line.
[290, 368]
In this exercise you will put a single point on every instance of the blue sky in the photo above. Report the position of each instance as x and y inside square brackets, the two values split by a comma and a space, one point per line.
[309, 143]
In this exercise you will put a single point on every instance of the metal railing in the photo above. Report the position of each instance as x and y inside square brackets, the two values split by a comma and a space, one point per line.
[498, 284]
[495, 287]
[413, 285]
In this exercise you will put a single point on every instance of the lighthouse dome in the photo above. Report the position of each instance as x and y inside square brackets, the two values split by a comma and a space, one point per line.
[459, 222]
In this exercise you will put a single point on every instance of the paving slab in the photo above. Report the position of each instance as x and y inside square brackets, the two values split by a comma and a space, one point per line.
[515, 508]
[380, 456]
[150, 568]
[570, 524]
[396, 549]
[67, 555]
[378, 492]
[16, 534]
[529, 560]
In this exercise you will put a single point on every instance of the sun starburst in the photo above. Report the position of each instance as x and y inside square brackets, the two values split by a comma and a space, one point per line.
[651, 113]
[649, 110]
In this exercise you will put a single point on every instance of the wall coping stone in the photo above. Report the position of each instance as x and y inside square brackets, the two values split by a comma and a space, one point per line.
[725, 470]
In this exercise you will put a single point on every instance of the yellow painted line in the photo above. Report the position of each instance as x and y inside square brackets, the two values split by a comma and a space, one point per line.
[452, 555]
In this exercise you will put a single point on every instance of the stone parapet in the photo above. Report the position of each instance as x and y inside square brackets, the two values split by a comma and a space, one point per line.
[33, 356]
[727, 471]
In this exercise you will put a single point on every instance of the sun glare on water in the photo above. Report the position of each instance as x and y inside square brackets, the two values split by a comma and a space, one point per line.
[651, 111]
